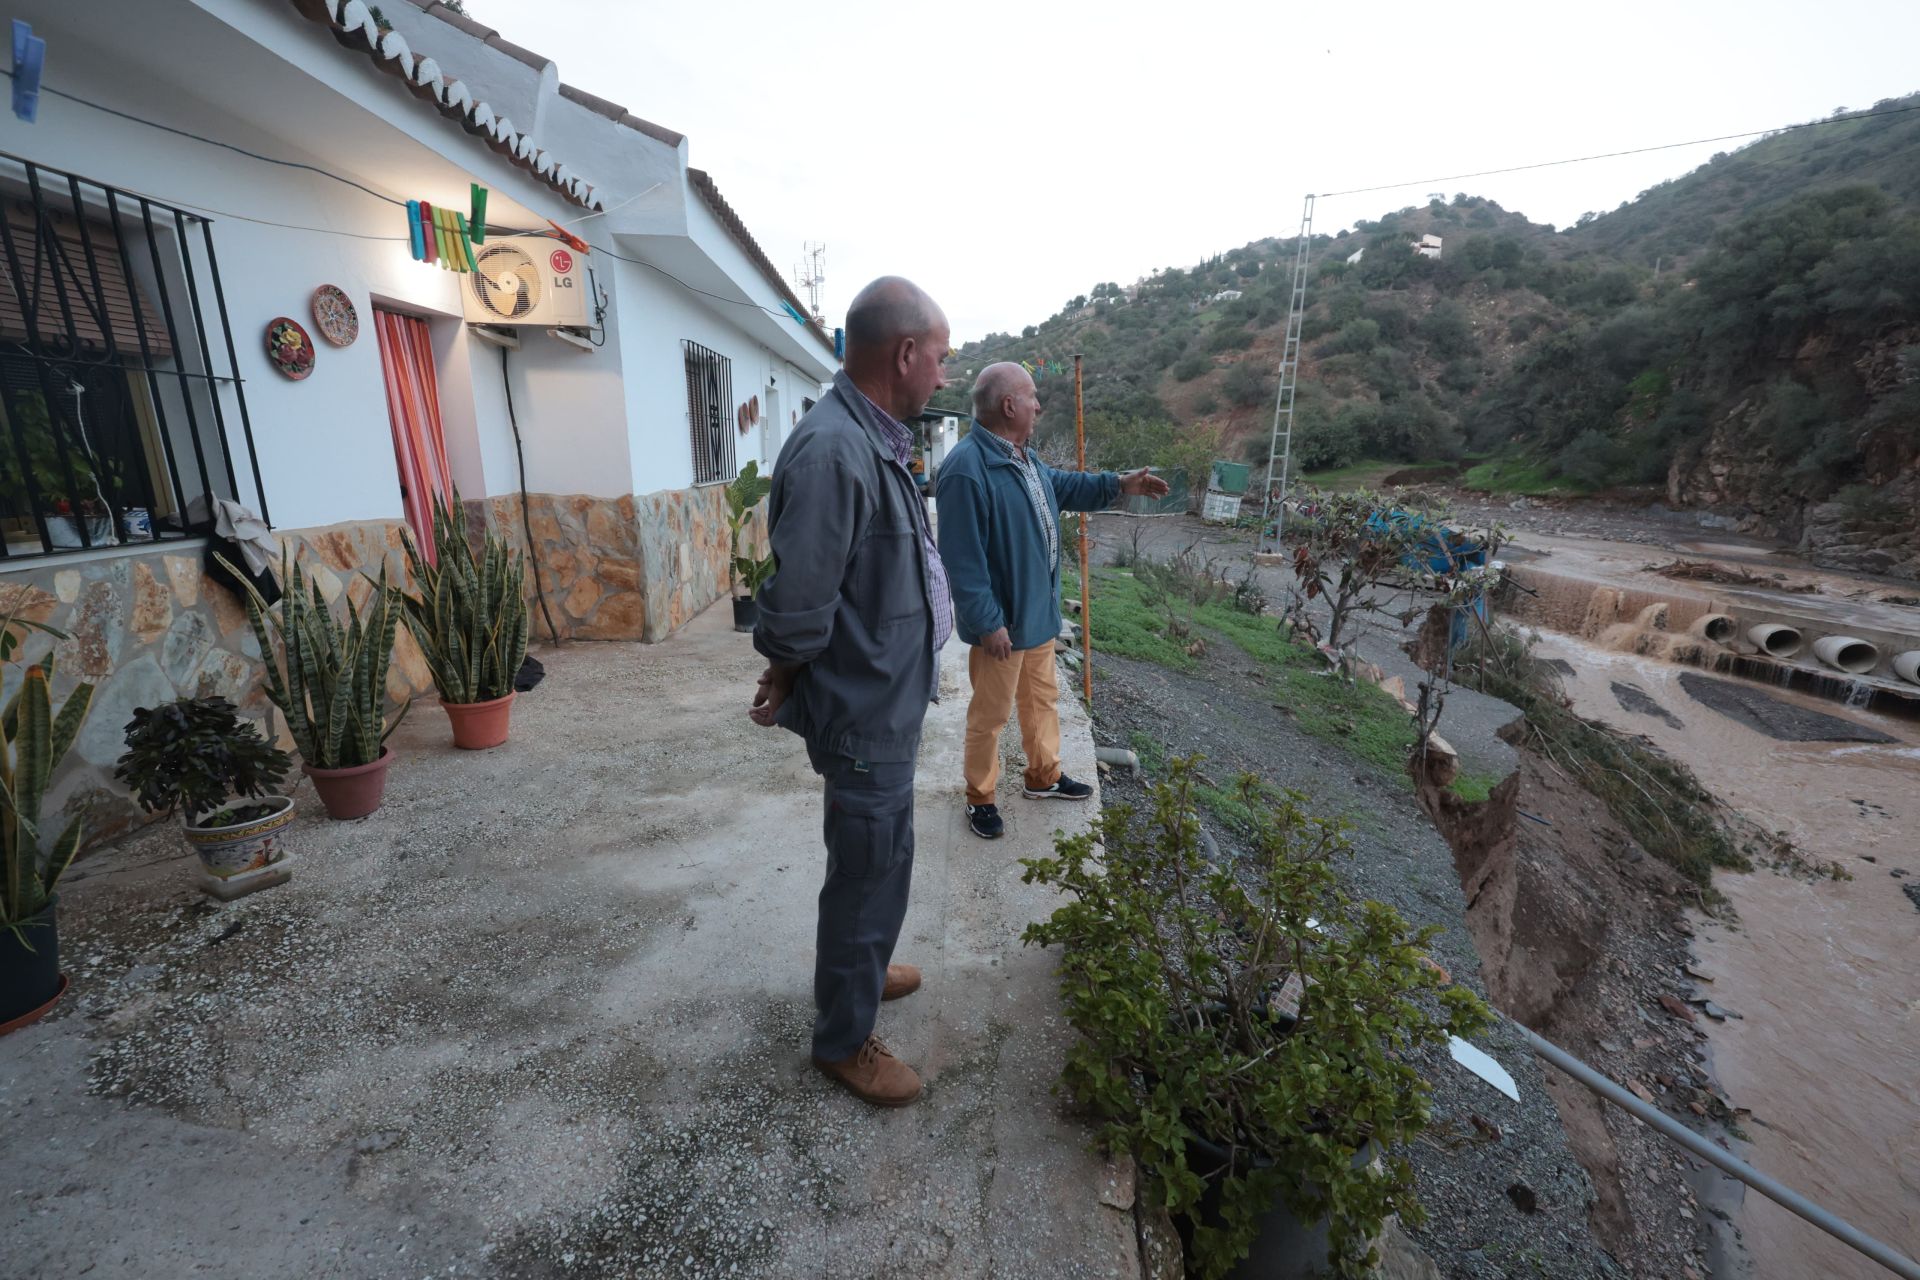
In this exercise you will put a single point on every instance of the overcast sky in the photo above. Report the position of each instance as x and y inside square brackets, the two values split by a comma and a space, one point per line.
[1011, 155]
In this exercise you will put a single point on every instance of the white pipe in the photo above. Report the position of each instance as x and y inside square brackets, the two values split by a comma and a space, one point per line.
[1717, 627]
[1907, 666]
[1846, 653]
[1774, 639]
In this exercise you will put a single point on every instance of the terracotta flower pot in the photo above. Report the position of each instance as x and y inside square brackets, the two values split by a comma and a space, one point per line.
[479, 725]
[243, 846]
[351, 793]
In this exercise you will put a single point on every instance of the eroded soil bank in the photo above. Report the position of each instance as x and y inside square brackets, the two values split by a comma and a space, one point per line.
[1823, 971]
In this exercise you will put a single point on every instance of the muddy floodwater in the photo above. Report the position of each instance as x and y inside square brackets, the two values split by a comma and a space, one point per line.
[1824, 974]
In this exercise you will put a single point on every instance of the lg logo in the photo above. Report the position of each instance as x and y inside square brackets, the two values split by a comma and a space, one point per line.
[561, 262]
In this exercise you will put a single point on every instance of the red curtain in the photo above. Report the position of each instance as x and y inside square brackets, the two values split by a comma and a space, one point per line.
[413, 404]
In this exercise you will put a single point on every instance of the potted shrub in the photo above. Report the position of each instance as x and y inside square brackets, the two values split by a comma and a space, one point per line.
[744, 495]
[197, 757]
[1246, 1025]
[331, 683]
[37, 737]
[470, 621]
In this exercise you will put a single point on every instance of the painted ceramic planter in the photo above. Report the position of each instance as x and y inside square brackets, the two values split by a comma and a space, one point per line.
[244, 846]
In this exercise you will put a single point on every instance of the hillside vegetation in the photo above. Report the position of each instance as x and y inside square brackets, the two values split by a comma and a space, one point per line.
[1746, 337]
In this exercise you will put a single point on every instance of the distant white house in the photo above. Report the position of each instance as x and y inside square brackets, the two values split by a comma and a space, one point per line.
[1227, 295]
[1428, 246]
[1356, 255]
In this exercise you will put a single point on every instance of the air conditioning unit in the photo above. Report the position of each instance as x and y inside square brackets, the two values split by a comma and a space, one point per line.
[526, 280]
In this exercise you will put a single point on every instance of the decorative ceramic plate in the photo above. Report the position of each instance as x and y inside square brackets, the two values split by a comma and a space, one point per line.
[289, 347]
[333, 313]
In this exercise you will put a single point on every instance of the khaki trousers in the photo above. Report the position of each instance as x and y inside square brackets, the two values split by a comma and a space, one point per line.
[1027, 679]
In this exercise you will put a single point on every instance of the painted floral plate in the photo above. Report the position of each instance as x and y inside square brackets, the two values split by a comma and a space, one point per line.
[289, 347]
[334, 314]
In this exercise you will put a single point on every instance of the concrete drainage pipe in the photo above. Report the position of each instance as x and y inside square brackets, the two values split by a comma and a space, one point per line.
[1845, 653]
[1717, 627]
[1774, 639]
[1907, 666]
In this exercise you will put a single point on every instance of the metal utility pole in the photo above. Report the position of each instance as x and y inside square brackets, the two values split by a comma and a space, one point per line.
[1086, 590]
[811, 274]
[1280, 453]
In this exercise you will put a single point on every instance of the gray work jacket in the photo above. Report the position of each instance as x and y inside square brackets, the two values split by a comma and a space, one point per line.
[849, 601]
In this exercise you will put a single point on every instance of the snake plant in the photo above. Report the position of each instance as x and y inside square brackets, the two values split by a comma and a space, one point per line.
[470, 618]
[37, 738]
[329, 681]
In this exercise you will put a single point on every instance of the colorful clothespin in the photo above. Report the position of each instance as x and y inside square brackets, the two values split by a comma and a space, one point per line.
[29, 60]
[569, 239]
[466, 242]
[418, 241]
[428, 238]
[477, 219]
[450, 242]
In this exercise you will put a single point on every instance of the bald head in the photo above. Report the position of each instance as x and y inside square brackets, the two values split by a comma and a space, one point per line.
[1005, 402]
[896, 343]
[889, 309]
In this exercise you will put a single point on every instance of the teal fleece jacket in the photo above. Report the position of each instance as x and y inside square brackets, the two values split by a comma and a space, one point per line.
[993, 547]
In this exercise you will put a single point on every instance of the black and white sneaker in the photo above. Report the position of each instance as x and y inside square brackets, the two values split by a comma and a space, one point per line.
[984, 821]
[1064, 789]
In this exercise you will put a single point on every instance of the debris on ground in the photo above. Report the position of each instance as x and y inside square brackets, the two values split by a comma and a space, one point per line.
[1708, 571]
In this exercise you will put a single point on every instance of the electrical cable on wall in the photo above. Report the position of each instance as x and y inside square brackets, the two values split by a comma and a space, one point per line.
[393, 200]
[526, 513]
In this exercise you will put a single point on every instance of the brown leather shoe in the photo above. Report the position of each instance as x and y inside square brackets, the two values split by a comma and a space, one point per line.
[902, 980]
[874, 1075]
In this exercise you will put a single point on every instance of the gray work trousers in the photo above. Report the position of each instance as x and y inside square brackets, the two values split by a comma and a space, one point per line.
[868, 828]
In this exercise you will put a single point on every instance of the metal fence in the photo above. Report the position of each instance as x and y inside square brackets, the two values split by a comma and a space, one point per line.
[1177, 501]
[119, 382]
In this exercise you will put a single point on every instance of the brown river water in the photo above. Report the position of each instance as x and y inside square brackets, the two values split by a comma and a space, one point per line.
[1824, 973]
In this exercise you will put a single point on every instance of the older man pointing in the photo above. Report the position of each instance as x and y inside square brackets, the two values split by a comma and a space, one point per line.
[1000, 541]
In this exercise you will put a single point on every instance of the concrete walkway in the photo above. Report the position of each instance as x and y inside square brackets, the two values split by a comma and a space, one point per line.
[546, 1014]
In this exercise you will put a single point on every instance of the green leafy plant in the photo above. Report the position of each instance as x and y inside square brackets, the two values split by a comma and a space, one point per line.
[329, 681]
[37, 739]
[470, 618]
[744, 495]
[192, 755]
[1254, 1005]
[1351, 543]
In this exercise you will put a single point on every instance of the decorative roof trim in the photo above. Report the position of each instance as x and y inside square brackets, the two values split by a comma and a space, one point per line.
[353, 25]
[702, 181]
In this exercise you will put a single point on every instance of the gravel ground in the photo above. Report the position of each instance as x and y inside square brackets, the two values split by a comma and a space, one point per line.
[1472, 1186]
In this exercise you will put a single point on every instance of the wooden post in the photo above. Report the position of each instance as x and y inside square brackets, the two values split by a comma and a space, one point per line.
[1086, 593]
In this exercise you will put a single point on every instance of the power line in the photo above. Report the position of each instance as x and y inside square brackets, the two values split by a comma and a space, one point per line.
[1610, 155]
[361, 187]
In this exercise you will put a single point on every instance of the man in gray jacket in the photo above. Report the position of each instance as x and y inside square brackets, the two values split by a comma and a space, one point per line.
[851, 623]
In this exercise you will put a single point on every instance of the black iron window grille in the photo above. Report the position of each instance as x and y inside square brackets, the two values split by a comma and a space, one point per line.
[119, 383]
[710, 413]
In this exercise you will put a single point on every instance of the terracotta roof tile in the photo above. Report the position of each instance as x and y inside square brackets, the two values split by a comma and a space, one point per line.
[478, 30]
[514, 51]
[390, 52]
[593, 103]
[653, 130]
[703, 182]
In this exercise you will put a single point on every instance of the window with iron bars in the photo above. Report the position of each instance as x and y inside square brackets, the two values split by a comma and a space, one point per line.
[710, 413]
[119, 384]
